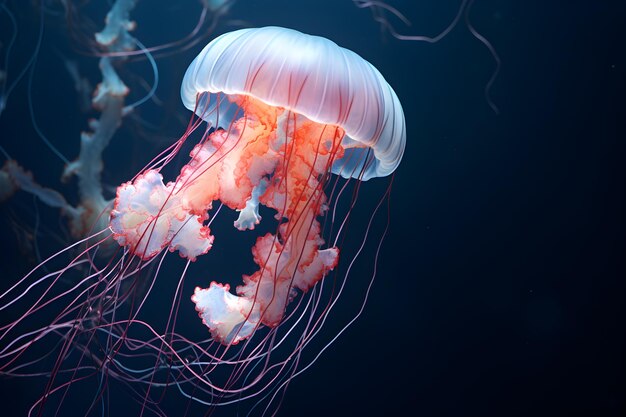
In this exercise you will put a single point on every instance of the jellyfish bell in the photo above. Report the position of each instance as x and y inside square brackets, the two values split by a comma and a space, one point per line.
[294, 108]
[311, 76]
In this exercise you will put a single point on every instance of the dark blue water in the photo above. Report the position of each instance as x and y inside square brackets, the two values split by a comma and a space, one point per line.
[500, 286]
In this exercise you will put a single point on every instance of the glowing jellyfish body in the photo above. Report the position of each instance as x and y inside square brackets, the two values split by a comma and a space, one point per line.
[292, 109]
[287, 116]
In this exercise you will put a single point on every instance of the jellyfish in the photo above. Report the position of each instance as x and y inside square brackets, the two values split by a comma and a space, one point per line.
[298, 108]
[283, 113]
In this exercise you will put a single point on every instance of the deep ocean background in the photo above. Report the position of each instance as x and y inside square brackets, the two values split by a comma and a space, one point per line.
[501, 285]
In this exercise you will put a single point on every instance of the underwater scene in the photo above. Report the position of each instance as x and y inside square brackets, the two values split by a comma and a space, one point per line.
[312, 208]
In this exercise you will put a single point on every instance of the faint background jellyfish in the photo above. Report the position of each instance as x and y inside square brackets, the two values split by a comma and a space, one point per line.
[294, 124]
[116, 100]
